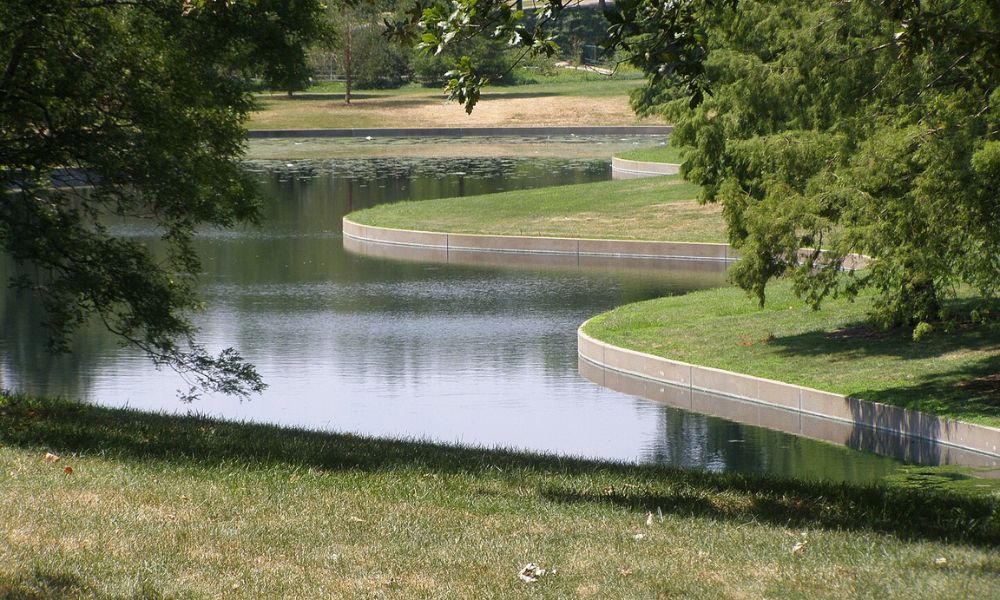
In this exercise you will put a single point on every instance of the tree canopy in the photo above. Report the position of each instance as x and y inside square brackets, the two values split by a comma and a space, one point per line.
[868, 127]
[144, 101]
[857, 127]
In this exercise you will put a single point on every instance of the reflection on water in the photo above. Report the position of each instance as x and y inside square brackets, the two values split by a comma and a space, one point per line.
[769, 420]
[457, 353]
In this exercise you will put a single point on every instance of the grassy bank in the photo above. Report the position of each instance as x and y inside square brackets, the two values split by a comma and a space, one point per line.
[664, 153]
[661, 208]
[161, 506]
[575, 98]
[947, 373]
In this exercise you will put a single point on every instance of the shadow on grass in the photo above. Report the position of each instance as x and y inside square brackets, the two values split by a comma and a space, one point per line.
[500, 94]
[49, 584]
[905, 511]
[416, 98]
[970, 390]
[332, 96]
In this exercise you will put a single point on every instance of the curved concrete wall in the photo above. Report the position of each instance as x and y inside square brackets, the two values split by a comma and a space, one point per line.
[634, 169]
[696, 273]
[377, 132]
[580, 247]
[808, 402]
[818, 414]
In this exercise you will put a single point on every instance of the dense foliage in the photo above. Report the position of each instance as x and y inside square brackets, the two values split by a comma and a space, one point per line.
[868, 127]
[858, 127]
[144, 101]
[492, 58]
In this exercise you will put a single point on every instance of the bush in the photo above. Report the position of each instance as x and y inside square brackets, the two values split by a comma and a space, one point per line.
[377, 64]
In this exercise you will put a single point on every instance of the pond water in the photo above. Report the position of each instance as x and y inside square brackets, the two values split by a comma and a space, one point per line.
[469, 354]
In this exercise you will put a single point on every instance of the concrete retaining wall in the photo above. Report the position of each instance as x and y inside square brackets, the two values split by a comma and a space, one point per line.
[636, 169]
[579, 247]
[697, 273]
[396, 132]
[818, 414]
[858, 414]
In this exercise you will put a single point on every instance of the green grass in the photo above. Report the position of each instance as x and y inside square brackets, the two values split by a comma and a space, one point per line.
[663, 154]
[183, 507]
[952, 374]
[661, 208]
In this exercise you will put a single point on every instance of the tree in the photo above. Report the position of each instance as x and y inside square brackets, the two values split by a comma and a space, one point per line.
[144, 101]
[364, 58]
[868, 127]
[859, 127]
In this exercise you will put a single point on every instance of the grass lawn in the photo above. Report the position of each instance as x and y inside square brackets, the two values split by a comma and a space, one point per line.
[159, 507]
[664, 153]
[570, 98]
[660, 208]
[946, 373]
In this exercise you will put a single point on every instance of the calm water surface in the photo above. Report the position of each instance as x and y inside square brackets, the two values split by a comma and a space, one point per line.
[475, 355]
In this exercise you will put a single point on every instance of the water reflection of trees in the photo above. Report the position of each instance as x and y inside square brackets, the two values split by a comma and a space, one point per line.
[25, 361]
[692, 440]
[312, 196]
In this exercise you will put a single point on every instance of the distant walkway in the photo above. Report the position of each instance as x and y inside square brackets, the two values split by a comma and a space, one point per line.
[457, 132]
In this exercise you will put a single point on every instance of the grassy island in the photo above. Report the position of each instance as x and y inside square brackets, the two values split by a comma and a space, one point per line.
[663, 154]
[152, 506]
[949, 373]
[661, 208]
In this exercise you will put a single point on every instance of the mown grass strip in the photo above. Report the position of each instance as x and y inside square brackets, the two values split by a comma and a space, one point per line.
[663, 153]
[160, 506]
[948, 373]
[662, 208]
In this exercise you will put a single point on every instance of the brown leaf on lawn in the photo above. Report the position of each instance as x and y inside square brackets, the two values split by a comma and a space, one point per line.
[52, 458]
[799, 547]
[68, 470]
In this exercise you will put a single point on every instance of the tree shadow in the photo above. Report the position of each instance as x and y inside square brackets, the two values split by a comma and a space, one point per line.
[302, 97]
[863, 340]
[893, 511]
[516, 95]
[971, 390]
[66, 428]
[49, 584]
